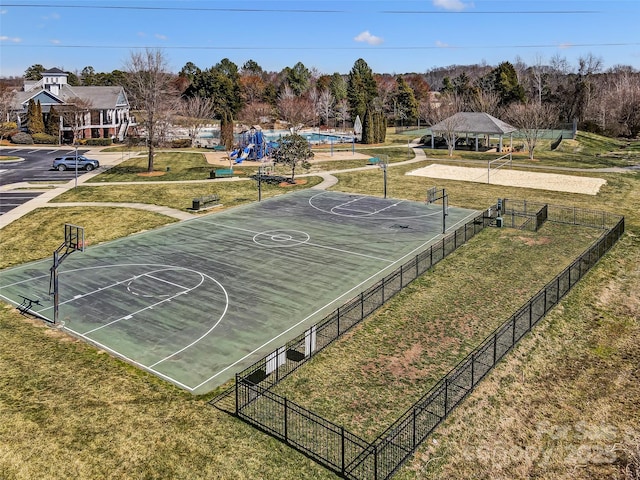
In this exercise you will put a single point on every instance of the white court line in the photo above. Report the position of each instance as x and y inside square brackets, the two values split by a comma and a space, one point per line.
[316, 312]
[164, 281]
[348, 252]
[375, 211]
[131, 315]
[130, 360]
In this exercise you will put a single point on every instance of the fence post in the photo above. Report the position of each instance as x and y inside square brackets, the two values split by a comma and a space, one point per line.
[495, 347]
[342, 450]
[382, 288]
[513, 332]
[431, 256]
[414, 427]
[237, 401]
[361, 307]
[401, 284]
[473, 363]
[446, 396]
[417, 267]
[530, 314]
[375, 462]
[286, 433]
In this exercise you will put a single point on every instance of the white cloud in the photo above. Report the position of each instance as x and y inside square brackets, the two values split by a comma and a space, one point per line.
[142, 34]
[442, 44]
[565, 45]
[2, 12]
[55, 41]
[456, 5]
[160, 36]
[53, 16]
[4, 38]
[368, 38]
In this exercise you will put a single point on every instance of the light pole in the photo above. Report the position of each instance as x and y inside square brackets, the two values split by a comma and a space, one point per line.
[76, 180]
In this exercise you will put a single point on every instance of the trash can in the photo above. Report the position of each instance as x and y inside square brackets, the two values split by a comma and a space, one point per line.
[195, 204]
[212, 174]
[499, 222]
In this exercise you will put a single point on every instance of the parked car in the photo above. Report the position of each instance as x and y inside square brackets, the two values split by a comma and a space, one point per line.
[68, 162]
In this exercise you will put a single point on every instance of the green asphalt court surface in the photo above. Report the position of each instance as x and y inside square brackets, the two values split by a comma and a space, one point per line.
[197, 301]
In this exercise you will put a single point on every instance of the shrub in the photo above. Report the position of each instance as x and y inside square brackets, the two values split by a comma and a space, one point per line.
[22, 138]
[181, 143]
[102, 142]
[41, 138]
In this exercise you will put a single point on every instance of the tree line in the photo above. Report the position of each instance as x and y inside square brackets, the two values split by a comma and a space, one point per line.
[545, 93]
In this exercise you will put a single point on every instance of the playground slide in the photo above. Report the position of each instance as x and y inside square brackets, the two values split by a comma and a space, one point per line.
[245, 153]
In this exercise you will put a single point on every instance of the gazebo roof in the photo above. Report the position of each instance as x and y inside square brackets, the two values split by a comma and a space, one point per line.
[473, 122]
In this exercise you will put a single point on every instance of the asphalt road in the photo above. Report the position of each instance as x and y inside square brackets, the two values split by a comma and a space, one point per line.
[34, 166]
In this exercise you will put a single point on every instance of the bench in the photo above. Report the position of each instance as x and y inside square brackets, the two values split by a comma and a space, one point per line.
[221, 172]
[206, 201]
[373, 161]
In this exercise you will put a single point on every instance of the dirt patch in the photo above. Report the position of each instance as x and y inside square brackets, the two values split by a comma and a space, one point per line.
[295, 182]
[151, 174]
[534, 241]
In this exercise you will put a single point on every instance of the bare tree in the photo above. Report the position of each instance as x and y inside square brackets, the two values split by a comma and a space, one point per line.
[256, 112]
[7, 96]
[197, 112]
[75, 114]
[325, 105]
[531, 120]
[152, 89]
[446, 119]
[538, 71]
[486, 102]
[342, 112]
[297, 111]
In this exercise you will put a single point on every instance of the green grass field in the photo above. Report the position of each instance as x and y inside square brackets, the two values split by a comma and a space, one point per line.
[562, 405]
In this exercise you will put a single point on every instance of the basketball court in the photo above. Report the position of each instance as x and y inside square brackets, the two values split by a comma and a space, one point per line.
[196, 301]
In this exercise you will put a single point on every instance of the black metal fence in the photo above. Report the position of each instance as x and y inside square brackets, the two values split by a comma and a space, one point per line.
[280, 363]
[353, 457]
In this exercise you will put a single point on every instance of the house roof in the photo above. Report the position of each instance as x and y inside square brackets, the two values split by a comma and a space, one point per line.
[96, 97]
[473, 122]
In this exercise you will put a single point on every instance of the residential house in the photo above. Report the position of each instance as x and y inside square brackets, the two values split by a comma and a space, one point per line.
[107, 112]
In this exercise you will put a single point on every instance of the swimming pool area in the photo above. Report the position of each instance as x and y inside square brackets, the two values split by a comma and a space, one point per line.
[275, 135]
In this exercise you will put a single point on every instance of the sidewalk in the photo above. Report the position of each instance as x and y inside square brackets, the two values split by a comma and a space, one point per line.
[108, 160]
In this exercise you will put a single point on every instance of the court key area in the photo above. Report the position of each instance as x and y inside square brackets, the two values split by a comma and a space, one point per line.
[197, 301]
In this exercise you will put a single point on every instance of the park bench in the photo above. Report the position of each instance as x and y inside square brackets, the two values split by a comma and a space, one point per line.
[373, 161]
[221, 172]
[206, 201]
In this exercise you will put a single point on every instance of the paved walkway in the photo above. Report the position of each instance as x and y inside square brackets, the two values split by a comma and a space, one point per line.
[110, 159]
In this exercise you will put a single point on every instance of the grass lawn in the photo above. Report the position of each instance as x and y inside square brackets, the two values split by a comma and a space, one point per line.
[562, 405]
[406, 346]
[586, 151]
[179, 195]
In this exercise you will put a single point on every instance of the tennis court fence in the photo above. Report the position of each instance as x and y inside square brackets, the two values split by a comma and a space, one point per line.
[352, 457]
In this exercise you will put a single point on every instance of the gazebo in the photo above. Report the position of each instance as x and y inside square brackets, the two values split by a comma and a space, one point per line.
[474, 124]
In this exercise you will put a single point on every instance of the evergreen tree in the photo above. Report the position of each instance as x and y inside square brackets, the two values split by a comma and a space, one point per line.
[361, 89]
[406, 103]
[506, 85]
[35, 124]
[53, 123]
[368, 128]
[298, 78]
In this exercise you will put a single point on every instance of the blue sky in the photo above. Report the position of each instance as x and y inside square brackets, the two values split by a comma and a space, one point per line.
[396, 36]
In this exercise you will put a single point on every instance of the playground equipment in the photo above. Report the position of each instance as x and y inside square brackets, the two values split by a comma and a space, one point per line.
[238, 155]
[255, 140]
